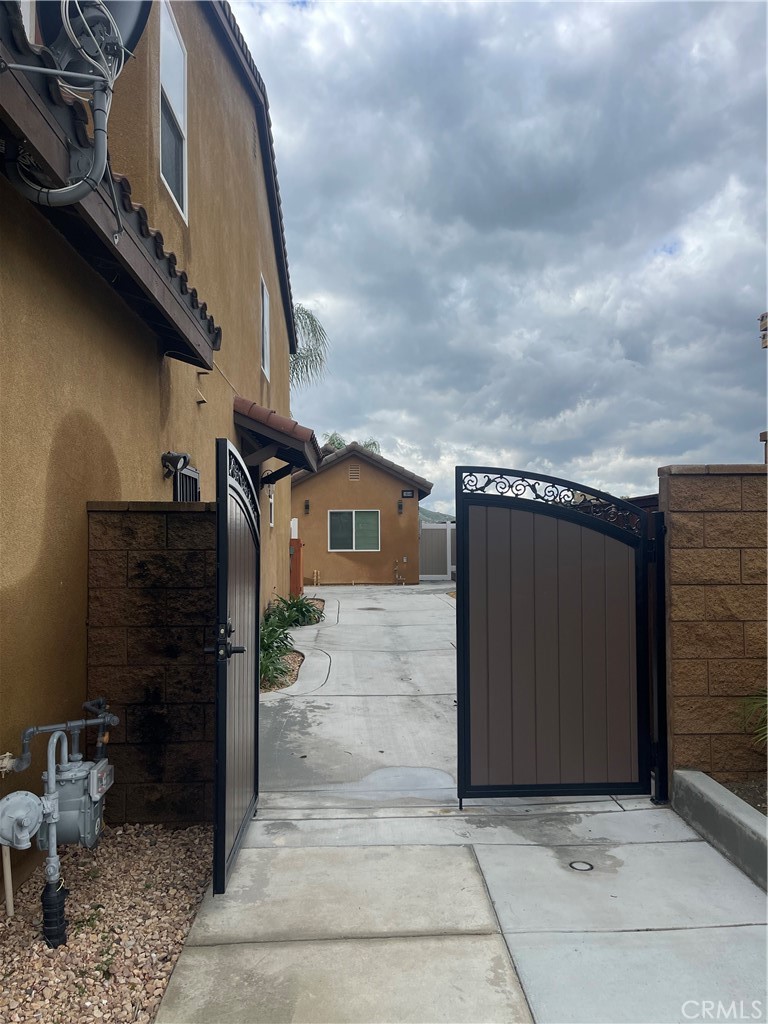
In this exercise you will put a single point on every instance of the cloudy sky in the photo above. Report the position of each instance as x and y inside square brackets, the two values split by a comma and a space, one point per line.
[535, 233]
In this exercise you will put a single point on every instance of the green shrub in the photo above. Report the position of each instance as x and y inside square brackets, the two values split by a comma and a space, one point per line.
[295, 611]
[274, 643]
[756, 717]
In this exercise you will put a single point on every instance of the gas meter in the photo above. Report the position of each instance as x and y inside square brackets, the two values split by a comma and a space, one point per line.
[71, 810]
[81, 786]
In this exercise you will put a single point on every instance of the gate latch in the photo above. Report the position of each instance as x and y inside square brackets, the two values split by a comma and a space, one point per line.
[223, 648]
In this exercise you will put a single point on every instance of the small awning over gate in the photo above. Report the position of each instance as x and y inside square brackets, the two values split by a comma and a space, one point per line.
[268, 435]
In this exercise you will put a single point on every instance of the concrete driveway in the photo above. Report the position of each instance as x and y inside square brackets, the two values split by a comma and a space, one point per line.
[363, 894]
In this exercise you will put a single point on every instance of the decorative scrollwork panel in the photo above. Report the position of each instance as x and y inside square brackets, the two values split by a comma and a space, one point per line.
[551, 491]
[244, 483]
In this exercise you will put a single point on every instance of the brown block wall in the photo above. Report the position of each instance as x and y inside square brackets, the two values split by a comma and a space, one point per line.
[716, 614]
[151, 611]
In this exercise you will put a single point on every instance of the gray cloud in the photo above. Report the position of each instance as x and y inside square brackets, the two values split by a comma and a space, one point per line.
[534, 232]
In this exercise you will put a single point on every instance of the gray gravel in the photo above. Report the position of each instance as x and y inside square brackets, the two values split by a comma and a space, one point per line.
[132, 901]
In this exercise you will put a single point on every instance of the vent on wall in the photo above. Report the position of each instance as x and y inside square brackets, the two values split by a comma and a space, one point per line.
[186, 484]
[354, 471]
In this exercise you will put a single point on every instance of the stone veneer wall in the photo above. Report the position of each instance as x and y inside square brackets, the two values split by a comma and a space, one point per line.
[151, 610]
[716, 614]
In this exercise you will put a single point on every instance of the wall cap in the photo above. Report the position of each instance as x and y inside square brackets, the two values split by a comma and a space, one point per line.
[151, 506]
[742, 469]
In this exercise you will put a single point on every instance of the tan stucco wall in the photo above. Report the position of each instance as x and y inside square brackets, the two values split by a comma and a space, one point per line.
[716, 615]
[227, 245]
[87, 406]
[376, 489]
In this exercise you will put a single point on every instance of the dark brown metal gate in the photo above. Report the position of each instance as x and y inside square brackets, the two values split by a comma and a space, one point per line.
[558, 659]
[237, 659]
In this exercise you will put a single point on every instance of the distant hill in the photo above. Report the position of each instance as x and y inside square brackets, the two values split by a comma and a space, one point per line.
[426, 515]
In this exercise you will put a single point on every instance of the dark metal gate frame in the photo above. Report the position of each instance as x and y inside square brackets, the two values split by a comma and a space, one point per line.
[583, 505]
[233, 483]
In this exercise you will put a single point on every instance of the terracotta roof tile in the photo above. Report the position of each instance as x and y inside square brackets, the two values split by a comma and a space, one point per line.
[155, 243]
[260, 415]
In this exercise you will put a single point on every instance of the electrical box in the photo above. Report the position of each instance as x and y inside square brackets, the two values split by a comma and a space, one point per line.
[81, 786]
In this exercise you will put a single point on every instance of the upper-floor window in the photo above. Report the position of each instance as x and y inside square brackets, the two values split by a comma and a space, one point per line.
[173, 107]
[264, 329]
[28, 14]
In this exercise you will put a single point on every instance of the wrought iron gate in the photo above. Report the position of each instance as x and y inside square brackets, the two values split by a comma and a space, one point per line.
[560, 660]
[237, 659]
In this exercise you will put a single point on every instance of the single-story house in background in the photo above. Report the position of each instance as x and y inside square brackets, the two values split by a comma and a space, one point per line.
[358, 518]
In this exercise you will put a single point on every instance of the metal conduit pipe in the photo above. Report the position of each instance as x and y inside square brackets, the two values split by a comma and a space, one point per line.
[80, 189]
[7, 880]
[105, 720]
[54, 893]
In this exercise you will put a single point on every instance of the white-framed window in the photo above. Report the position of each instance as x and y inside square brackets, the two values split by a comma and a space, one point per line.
[354, 530]
[28, 16]
[271, 493]
[264, 329]
[173, 108]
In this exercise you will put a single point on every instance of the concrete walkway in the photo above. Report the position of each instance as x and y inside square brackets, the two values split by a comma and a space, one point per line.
[363, 895]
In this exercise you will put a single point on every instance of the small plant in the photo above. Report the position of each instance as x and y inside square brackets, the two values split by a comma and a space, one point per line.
[756, 717]
[89, 920]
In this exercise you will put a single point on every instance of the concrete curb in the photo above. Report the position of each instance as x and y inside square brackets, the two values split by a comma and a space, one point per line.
[728, 823]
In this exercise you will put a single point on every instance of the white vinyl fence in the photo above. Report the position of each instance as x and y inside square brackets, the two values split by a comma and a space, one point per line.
[437, 551]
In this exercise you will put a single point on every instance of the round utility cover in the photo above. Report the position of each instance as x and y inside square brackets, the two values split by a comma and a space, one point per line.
[130, 15]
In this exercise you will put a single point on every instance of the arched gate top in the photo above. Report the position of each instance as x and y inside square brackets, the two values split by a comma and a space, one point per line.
[550, 490]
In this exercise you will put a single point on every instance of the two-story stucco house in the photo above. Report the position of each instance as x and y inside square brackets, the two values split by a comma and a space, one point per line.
[121, 345]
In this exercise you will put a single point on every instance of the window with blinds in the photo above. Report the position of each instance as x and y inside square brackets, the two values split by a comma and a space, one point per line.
[265, 347]
[353, 530]
[173, 108]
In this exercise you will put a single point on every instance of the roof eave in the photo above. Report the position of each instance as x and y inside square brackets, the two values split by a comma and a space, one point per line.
[285, 439]
[423, 486]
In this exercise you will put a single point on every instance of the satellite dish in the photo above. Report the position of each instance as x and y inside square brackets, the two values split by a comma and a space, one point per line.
[89, 41]
[130, 16]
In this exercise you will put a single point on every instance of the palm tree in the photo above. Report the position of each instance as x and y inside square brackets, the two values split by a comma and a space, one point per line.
[336, 441]
[309, 361]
